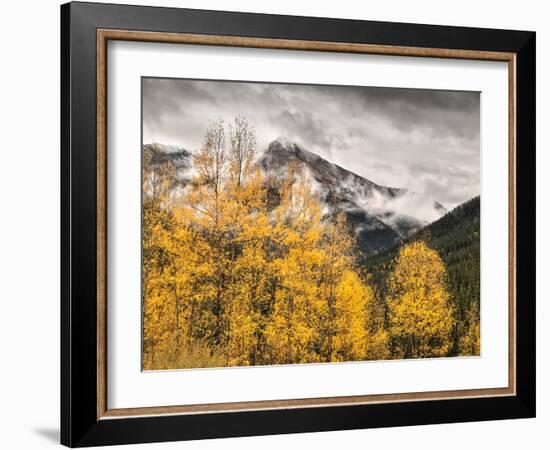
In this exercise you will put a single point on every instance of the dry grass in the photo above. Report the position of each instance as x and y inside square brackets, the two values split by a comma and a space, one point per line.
[193, 356]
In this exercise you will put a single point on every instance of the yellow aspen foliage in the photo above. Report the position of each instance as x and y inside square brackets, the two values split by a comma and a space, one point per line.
[233, 274]
[345, 296]
[209, 213]
[470, 340]
[421, 317]
[158, 302]
[291, 333]
[350, 340]
[348, 332]
[250, 271]
[378, 345]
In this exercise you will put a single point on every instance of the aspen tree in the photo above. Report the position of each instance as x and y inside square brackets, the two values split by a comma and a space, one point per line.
[421, 316]
[470, 340]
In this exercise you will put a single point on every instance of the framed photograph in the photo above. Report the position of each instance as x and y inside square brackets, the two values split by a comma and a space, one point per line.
[276, 224]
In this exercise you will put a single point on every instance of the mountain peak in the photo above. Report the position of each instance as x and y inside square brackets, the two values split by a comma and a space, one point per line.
[288, 149]
[179, 157]
[281, 151]
[401, 211]
[282, 142]
[167, 149]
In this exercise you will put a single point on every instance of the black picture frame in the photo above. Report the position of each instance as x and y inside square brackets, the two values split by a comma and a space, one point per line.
[80, 425]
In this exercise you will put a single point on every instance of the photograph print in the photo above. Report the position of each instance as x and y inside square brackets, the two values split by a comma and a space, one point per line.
[297, 224]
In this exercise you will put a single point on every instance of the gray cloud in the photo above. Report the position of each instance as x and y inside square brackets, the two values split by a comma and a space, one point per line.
[424, 140]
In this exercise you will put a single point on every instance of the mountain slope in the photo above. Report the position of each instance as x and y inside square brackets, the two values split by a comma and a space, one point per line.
[180, 158]
[456, 237]
[380, 216]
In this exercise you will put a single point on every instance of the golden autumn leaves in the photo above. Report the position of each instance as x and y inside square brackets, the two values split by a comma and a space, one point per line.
[421, 318]
[240, 268]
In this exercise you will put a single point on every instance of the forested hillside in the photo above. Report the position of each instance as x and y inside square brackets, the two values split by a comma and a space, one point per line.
[456, 238]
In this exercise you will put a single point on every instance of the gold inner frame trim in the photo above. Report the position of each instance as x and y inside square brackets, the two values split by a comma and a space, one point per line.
[103, 36]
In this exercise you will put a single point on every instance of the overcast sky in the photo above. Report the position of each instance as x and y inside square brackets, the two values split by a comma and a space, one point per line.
[424, 140]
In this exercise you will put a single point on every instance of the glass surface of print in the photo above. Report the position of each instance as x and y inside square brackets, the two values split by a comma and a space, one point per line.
[291, 224]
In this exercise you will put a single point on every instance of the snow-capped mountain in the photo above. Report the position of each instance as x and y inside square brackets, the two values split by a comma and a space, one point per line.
[379, 216]
[181, 159]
